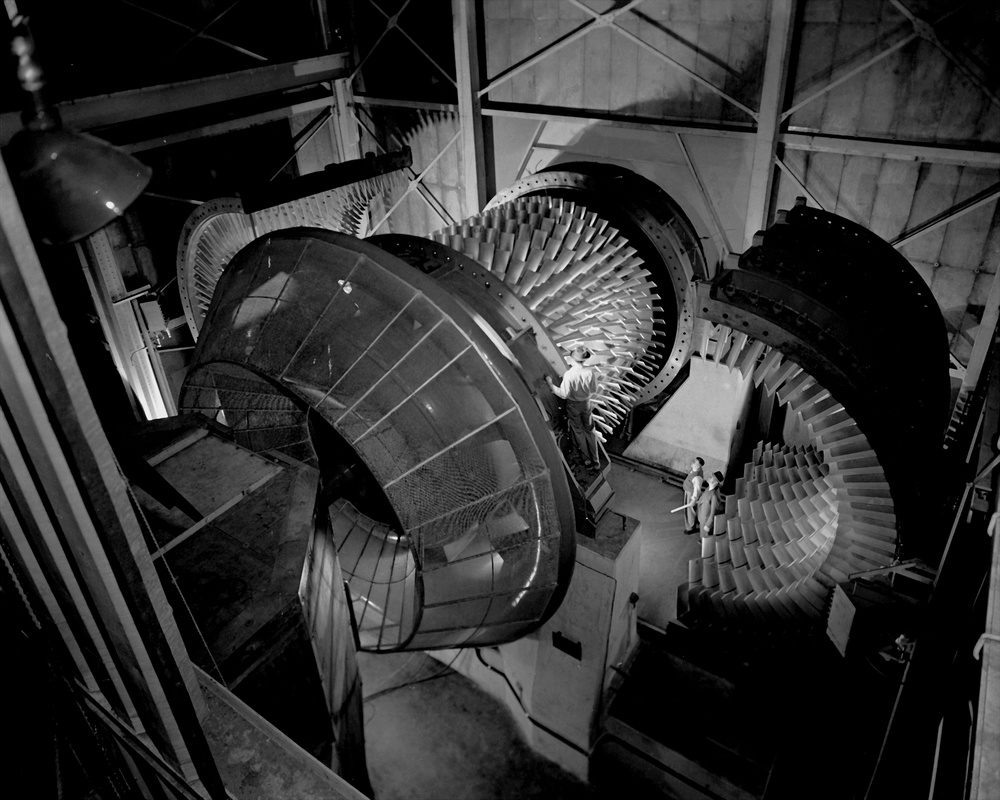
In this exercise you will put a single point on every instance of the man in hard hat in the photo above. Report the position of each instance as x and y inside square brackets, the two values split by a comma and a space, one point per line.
[579, 385]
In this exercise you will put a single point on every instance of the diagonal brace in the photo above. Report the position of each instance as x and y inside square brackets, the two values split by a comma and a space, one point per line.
[428, 196]
[418, 181]
[607, 18]
[971, 204]
[393, 22]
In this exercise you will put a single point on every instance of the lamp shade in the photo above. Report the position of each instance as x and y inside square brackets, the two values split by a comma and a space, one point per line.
[69, 184]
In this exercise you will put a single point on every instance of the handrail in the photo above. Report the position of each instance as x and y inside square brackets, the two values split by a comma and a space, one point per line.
[983, 747]
[940, 650]
[967, 431]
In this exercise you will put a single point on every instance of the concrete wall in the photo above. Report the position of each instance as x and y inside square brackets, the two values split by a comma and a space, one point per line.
[925, 117]
[700, 419]
[724, 163]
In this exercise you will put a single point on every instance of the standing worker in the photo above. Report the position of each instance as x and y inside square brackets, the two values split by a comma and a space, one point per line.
[579, 384]
[709, 503]
[692, 489]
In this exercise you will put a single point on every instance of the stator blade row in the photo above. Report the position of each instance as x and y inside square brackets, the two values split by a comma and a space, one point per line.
[584, 283]
[341, 210]
[803, 518]
[222, 230]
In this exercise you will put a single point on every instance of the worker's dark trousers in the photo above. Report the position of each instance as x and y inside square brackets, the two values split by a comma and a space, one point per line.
[581, 425]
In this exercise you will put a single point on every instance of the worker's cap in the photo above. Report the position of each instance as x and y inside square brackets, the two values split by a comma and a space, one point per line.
[718, 476]
[580, 354]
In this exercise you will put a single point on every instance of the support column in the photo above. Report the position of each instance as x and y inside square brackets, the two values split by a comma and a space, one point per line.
[769, 116]
[76, 509]
[477, 134]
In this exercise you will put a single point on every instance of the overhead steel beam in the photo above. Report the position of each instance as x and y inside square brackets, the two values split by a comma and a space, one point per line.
[560, 114]
[136, 104]
[791, 140]
[395, 102]
[885, 148]
[570, 148]
[772, 96]
[227, 126]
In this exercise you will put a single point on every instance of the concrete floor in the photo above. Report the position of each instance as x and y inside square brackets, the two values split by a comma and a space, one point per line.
[431, 734]
[665, 549]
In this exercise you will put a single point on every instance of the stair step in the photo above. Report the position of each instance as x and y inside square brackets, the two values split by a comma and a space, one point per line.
[748, 358]
[843, 436]
[852, 449]
[857, 510]
[819, 409]
[870, 541]
[771, 361]
[878, 497]
[794, 385]
[872, 474]
[838, 419]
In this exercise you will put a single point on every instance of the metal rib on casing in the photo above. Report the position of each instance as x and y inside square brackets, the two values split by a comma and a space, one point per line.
[475, 541]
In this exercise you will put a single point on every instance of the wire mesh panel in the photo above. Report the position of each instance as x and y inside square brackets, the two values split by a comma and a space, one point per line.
[384, 582]
[475, 543]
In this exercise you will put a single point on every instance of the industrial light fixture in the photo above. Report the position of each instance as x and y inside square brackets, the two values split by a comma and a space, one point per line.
[68, 184]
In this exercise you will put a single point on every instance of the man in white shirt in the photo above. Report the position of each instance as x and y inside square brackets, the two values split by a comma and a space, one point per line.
[710, 503]
[579, 384]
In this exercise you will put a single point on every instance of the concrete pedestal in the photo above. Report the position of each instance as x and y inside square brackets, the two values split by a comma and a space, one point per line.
[554, 680]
